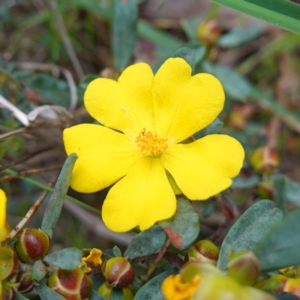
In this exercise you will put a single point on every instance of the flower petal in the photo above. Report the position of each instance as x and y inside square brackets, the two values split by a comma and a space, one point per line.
[3, 229]
[104, 156]
[143, 197]
[204, 168]
[125, 105]
[184, 104]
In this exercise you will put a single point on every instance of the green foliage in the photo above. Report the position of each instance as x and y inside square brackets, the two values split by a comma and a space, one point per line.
[55, 204]
[67, 259]
[46, 293]
[146, 242]
[279, 247]
[278, 12]
[123, 31]
[249, 229]
[152, 289]
[183, 228]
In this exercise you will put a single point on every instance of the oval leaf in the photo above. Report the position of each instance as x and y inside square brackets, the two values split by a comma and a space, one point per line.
[183, 228]
[124, 31]
[249, 229]
[146, 243]
[152, 289]
[234, 84]
[67, 259]
[96, 296]
[55, 204]
[46, 293]
[38, 270]
[280, 246]
[239, 36]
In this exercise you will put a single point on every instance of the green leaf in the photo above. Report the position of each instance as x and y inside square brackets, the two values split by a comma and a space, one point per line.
[280, 190]
[152, 289]
[38, 270]
[212, 128]
[279, 247]
[290, 190]
[46, 293]
[96, 296]
[183, 228]
[123, 31]
[249, 229]
[190, 26]
[192, 54]
[116, 251]
[67, 259]
[234, 84]
[116, 294]
[146, 243]
[239, 36]
[281, 13]
[55, 204]
[245, 183]
[19, 297]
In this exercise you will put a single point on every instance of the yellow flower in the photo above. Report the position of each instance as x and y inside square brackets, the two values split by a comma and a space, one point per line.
[4, 228]
[145, 118]
[174, 287]
[94, 258]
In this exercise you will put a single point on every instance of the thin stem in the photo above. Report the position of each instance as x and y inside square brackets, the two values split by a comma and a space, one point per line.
[29, 172]
[65, 38]
[13, 132]
[50, 189]
[29, 214]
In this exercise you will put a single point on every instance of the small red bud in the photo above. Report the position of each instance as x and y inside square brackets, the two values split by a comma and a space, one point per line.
[118, 272]
[243, 266]
[8, 262]
[275, 283]
[26, 283]
[264, 160]
[71, 284]
[208, 32]
[204, 251]
[265, 190]
[32, 244]
[8, 293]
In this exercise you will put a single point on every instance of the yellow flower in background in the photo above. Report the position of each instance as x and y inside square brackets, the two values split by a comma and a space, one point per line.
[174, 288]
[4, 228]
[145, 118]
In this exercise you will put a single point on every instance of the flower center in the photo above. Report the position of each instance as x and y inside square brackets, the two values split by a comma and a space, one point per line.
[150, 144]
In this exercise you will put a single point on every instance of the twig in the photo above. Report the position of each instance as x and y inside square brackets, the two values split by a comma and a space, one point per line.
[29, 172]
[29, 214]
[25, 158]
[15, 111]
[66, 40]
[13, 132]
[162, 251]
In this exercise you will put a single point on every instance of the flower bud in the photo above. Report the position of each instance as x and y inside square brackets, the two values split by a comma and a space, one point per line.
[105, 290]
[264, 160]
[71, 284]
[208, 32]
[8, 293]
[265, 189]
[204, 251]
[118, 272]
[8, 262]
[26, 284]
[32, 244]
[243, 266]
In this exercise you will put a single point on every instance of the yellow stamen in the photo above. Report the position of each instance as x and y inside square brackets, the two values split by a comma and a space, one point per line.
[150, 144]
